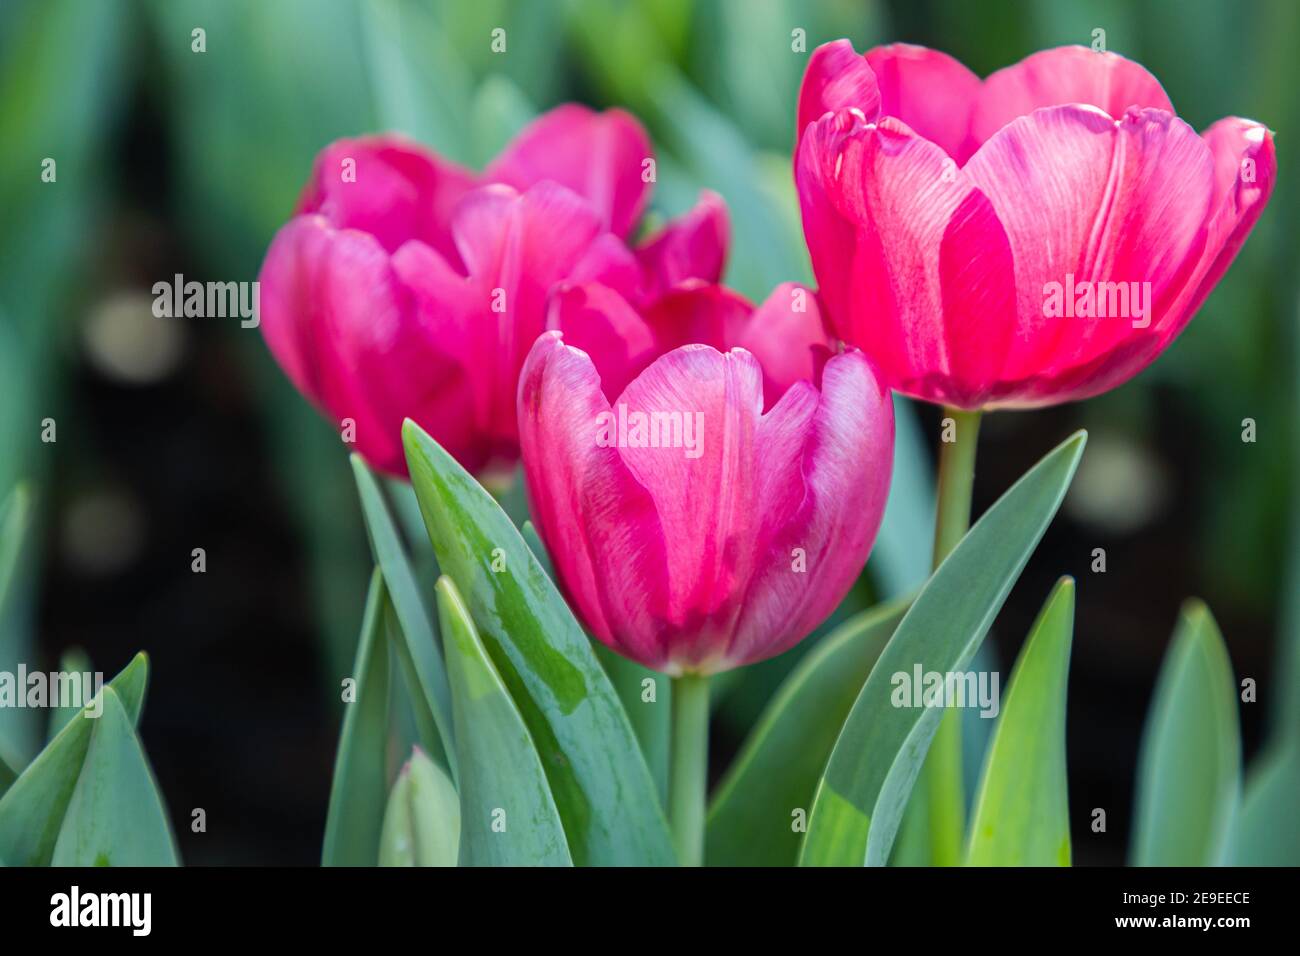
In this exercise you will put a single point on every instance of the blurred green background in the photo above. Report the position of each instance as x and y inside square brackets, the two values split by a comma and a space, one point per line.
[175, 434]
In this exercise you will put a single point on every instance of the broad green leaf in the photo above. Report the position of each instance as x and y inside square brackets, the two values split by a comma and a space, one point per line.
[508, 816]
[73, 661]
[422, 822]
[32, 809]
[360, 788]
[602, 787]
[752, 818]
[1268, 830]
[861, 797]
[116, 816]
[1022, 811]
[418, 647]
[651, 720]
[1189, 769]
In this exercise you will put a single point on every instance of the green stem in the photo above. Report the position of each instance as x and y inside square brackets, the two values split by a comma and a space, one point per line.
[688, 774]
[943, 766]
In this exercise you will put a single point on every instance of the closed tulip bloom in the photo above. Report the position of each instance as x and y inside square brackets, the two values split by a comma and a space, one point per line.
[691, 529]
[406, 286]
[1037, 237]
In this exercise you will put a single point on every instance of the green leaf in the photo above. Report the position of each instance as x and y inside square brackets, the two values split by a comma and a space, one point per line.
[776, 771]
[1022, 811]
[1189, 770]
[1268, 831]
[116, 816]
[861, 797]
[14, 513]
[508, 817]
[360, 787]
[74, 661]
[422, 822]
[602, 787]
[417, 644]
[651, 720]
[32, 809]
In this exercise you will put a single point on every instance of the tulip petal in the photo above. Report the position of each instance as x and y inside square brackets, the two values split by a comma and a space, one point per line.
[815, 452]
[599, 321]
[516, 246]
[586, 505]
[334, 314]
[876, 202]
[1062, 76]
[693, 246]
[787, 336]
[1084, 199]
[701, 480]
[837, 77]
[599, 156]
[1245, 165]
[389, 187]
[929, 91]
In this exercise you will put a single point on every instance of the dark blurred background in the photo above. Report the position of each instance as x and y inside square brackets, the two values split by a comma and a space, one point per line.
[176, 434]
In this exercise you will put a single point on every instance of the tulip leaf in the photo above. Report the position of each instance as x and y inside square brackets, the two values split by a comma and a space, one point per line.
[359, 787]
[1189, 768]
[508, 816]
[602, 787]
[1022, 813]
[422, 821]
[116, 816]
[417, 644]
[32, 809]
[861, 797]
[773, 778]
[73, 661]
[651, 719]
[1268, 830]
[14, 512]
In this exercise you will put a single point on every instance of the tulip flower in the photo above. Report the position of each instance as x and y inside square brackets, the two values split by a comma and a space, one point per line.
[1038, 237]
[406, 286]
[694, 524]
[692, 530]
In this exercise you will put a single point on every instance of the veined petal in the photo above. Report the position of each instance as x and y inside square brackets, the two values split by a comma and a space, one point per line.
[1085, 203]
[929, 91]
[814, 452]
[1059, 77]
[599, 156]
[837, 77]
[598, 524]
[390, 187]
[693, 246]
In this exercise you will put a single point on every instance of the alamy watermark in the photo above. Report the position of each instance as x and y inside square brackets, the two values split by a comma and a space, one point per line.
[922, 688]
[1098, 300]
[654, 429]
[37, 689]
[208, 300]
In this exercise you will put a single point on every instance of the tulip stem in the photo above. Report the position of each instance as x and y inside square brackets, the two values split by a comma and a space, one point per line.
[688, 775]
[943, 767]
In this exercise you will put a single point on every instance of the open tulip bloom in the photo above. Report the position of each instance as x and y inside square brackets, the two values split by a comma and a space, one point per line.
[406, 286]
[707, 476]
[1034, 238]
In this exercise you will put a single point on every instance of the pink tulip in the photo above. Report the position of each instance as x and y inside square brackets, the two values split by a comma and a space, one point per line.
[1038, 237]
[406, 286]
[692, 530]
